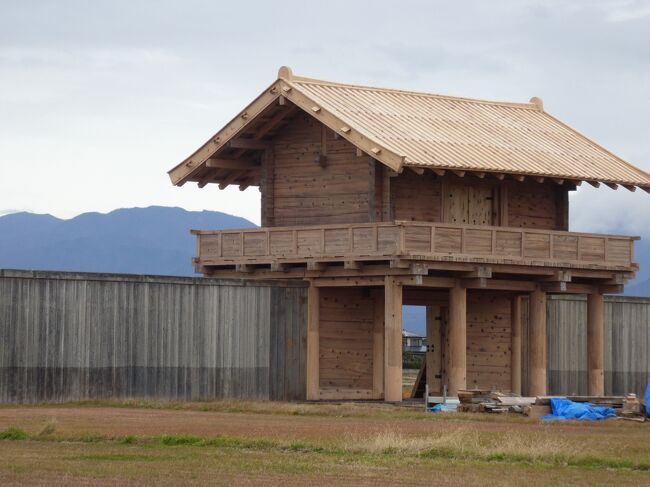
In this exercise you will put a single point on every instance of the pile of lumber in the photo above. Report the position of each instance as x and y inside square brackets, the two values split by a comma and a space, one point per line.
[488, 401]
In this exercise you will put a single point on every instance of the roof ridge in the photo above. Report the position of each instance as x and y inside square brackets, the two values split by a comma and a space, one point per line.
[513, 104]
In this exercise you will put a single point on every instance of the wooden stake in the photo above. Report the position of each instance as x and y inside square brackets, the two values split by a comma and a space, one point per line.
[392, 340]
[595, 345]
[537, 344]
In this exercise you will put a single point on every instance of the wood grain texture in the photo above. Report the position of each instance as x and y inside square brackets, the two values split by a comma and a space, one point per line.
[626, 345]
[83, 336]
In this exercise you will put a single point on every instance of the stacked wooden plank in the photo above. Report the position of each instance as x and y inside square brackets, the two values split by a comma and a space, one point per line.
[488, 401]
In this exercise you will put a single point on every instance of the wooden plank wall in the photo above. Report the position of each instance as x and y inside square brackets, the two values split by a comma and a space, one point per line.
[70, 336]
[346, 342]
[414, 197]
[535, 205]
[307, 192]
[488, 340]
[478, 202]
[627, 344]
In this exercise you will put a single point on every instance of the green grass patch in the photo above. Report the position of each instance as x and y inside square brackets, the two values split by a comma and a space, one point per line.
[13, 434]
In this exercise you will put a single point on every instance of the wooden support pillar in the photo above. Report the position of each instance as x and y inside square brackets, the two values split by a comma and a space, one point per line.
[313, 343]
[515, 345]
[392, 340]
[537, 344]
[378, 348]
[457, 369]
[595, 345]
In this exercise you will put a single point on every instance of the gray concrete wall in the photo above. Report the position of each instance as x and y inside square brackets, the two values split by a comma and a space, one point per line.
[67, 336]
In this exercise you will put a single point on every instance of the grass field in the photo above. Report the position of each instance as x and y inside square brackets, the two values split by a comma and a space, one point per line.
[260, 443]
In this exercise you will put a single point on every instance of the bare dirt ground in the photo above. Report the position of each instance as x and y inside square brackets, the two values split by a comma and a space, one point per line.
[239, 443]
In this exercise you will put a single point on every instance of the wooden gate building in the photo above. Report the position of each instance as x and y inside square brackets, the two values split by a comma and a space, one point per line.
[381, 198]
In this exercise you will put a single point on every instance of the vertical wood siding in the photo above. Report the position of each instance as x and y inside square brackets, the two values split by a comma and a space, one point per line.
[79, 336]
[627, 344]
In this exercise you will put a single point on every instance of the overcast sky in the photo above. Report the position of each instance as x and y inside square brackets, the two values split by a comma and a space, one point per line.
[98, 99]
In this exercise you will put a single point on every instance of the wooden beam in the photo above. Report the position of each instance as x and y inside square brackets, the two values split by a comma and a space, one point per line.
[537, 344]
[316, 266]
[245, 268]
[613, 186]
[515, 344]
[232, 163]
[595, 345]
[629, 187]
[460, 174]
[457, 331]
[348, 281]
[417, 170]
[439, 172]
[392, 340]
[231, 178]
[498, 284]
[479, 272]
[353, 264]
[276, 120]
[186, 169]
[539, 179]
[249, 144]
[595, 184]
[313, 344]
[278, 267]
[518, 177]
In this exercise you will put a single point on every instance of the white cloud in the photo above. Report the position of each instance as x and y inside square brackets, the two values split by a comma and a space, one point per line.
[99, 100]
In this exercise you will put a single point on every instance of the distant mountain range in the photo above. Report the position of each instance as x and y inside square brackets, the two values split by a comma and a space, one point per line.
[154, 240]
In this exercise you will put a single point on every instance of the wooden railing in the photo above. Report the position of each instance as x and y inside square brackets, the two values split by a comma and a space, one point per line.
[421, 240]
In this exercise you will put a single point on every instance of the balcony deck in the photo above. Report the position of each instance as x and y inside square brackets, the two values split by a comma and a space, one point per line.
[425, 242]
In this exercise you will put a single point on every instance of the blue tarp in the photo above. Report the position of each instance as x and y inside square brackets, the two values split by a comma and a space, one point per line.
[562, 409]
[647, 399]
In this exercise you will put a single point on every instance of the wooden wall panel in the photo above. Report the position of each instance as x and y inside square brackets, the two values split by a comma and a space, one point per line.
[488, 340]
[67, 337]
[307, 192]
[347, 318]
[627, 344]
[414, 197]
[535, 205]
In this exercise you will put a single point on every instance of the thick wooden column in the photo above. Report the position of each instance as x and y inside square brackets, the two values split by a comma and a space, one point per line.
[537, 344]
[515, 345]
[313, 343]
[392, 340]
[378, 348]
[433, 355]
[457, 369]
[595, 345]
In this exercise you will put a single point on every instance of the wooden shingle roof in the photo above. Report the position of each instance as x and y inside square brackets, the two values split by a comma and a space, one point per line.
[421, 130]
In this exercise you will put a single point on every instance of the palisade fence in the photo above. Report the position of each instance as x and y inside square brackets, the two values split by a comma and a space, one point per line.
[69, 336]
[627, 344]
[73, 336]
